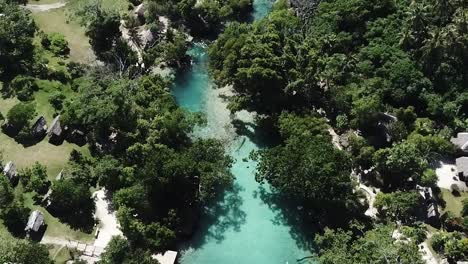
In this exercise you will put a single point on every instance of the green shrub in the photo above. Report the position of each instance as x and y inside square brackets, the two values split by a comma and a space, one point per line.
[56, 100]
[24, 87]
[56, 43]
[20, 115]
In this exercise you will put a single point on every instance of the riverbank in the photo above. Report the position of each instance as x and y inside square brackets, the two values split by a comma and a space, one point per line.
[249, 224]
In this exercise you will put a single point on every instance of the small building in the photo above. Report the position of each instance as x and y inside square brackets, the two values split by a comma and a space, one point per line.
[59, 176]
[77, 136]
[40, 127]
[35, 221]
[10, 171]
[139, 11]
[169, 257]
[462, 168]
[432, 212]
[461, 141]
[146, 37]
[55, 132]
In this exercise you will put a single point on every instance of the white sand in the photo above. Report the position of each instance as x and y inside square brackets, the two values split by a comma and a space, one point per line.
[108, 225]
[447, 176]
[44, 8]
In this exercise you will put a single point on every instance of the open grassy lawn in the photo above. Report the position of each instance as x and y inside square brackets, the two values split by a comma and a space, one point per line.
[57, 20]
[54, 227]
[59, 254]
[54, 157]
[453, 203]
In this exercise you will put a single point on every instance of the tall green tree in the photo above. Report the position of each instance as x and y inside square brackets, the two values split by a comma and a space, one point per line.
[17, 30]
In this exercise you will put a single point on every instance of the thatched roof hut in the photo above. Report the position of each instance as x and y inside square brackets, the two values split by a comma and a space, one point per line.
[55, 128]
[40, 127]
[10, 170]
[35, 221]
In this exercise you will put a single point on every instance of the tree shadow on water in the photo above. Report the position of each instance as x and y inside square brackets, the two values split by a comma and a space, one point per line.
[222, 215]
[287, 213]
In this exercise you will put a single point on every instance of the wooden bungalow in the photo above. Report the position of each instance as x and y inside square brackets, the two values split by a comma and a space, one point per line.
[35, 222]
[39, 128]
[10, 171]
[55, 132]
[461, 142]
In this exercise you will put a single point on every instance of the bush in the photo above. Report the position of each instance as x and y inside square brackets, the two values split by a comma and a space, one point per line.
[464, 211]
[20, 115]
[75, 69]
[35, 178]
[429, 178]
[56, 100]
[15, 218]
[24, 87]
[56, 43]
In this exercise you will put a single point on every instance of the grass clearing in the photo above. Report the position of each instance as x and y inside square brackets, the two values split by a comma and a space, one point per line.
[55, 228]
[453, 203]
[59, 254]
[58, 20]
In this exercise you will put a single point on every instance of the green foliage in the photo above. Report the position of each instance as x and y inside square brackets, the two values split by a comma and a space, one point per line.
[17, 30]
[56, 99]
[35, 178]
[175, 49]
[398, 163]
[399, 206]
[307, 167]
[429, 178]
[15, 218]
[417, 233]
[6, 193]
[201, 18]
[452, 245]
[71, 201]
[22, 251]
[157, 175]
[464, 211]
[374, 246]
[24, 87]
[102, 28]
[56, 43]
[263, 61]
[20, 115]
[119, 251]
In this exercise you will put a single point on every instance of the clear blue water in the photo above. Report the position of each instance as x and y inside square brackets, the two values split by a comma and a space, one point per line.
[249, 225]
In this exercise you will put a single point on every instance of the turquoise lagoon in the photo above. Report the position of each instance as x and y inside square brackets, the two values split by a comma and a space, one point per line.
[248, 225]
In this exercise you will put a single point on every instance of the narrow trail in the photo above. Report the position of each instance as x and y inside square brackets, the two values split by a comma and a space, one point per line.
[45, 7]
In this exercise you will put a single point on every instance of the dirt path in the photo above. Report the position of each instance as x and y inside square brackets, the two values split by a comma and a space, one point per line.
[45, 7]
[108, 225]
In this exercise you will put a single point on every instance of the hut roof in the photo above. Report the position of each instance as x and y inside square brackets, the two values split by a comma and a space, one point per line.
[432, 210]
[140, 10]
[39, 126]
[169, 257]
[10, 170]
[55, 128]
[462, 165]
[461, 141]
[146, 37]
[35, 221]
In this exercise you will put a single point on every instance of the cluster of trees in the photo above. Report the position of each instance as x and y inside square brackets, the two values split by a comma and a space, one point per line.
[14, 250]
[373, 246]
[158, 177]
[388, 73]
[308, 169]
[200, 17]
[452, 245]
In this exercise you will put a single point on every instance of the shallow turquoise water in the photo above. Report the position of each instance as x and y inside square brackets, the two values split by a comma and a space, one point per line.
[249, 225]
